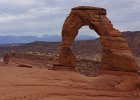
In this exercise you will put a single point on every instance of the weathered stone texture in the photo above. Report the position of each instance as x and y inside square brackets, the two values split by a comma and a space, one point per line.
[116, 55]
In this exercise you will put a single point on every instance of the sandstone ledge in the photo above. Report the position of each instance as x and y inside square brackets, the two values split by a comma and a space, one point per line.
[18, 83]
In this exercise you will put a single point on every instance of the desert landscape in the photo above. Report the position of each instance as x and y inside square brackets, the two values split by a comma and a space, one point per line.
[104, 68]
[23, 83]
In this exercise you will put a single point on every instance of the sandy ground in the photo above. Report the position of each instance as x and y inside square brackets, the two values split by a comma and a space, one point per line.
[19, 83]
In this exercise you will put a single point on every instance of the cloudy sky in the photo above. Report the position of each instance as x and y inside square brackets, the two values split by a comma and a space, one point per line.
[39, 17]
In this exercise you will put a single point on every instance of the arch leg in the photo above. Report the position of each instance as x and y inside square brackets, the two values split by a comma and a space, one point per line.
[70, 30]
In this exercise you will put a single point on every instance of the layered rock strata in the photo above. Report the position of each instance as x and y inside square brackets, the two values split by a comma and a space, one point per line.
[116, 55]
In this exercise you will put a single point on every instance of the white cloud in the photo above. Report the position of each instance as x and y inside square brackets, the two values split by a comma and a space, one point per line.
[20, 2]
[32, 13]
[46, 10]
[47, 16]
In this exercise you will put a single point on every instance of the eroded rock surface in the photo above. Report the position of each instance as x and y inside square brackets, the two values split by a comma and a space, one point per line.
[20, 83]
[41, 60]
[116, 55]
[29, 60]
[117, 58]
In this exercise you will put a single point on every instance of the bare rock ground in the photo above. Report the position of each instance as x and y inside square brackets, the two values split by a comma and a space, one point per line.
[21, 83]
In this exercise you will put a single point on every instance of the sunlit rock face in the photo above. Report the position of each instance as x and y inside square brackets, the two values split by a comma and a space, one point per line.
[116, 55]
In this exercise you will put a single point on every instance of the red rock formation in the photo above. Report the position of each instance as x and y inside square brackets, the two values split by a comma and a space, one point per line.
[116, 55]
[28, 60]
[117, 58]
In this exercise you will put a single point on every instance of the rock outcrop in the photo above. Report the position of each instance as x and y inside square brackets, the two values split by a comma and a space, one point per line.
[117, 58]
[20, 83]
[116, 55]
[29, 60]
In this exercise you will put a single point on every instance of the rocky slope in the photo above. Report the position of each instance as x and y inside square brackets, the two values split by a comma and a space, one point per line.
[43, 60]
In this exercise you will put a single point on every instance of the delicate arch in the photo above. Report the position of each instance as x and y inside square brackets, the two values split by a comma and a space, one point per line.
[116, 54]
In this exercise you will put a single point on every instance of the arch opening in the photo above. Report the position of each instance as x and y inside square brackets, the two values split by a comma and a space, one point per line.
[87, 49]
[85, 43]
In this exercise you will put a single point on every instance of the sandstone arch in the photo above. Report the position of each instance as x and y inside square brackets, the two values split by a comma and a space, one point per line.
[116, 54]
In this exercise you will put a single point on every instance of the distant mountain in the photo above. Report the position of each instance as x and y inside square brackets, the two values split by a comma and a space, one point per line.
[48, 38]
[17, 39]
[83, 48]
[86, 37]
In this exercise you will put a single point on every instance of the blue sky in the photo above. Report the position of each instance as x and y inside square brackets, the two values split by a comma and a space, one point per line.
[39, 17]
